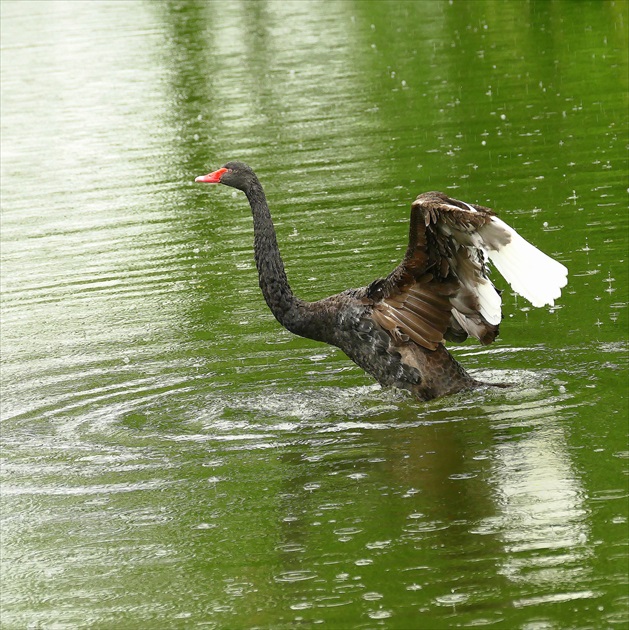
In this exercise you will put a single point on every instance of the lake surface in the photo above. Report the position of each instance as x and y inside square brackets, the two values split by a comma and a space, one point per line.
[173, 458]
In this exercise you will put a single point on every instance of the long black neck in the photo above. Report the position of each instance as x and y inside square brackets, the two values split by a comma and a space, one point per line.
[291, 312]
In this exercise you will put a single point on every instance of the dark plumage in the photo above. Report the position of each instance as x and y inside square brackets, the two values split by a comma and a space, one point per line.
[396, 327]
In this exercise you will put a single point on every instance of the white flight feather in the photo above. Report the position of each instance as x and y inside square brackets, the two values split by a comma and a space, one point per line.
[531, 273]
[489, 302]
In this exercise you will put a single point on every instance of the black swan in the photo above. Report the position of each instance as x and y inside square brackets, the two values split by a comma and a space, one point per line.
[395, 328]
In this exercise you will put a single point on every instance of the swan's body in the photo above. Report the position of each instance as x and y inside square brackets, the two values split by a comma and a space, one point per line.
[396, 327]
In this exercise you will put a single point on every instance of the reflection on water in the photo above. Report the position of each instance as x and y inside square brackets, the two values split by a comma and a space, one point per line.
[542, 508]
[171, 457]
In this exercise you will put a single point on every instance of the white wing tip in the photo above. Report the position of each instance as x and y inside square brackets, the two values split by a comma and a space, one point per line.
[531, 273]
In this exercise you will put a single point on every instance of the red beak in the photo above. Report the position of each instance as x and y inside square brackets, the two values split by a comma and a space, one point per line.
[211, 178]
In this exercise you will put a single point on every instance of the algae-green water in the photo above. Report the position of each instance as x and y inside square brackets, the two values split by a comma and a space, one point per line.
[173, 458]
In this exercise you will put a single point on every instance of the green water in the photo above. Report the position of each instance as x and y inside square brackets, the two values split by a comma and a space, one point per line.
[171, 457]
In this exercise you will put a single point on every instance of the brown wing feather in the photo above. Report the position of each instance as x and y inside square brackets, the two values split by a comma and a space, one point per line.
[431, 295]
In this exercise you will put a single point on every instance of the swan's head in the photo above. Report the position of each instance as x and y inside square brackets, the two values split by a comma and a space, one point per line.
[234, 174]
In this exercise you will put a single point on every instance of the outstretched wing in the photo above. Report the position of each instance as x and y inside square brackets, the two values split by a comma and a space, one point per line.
[441, 289]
